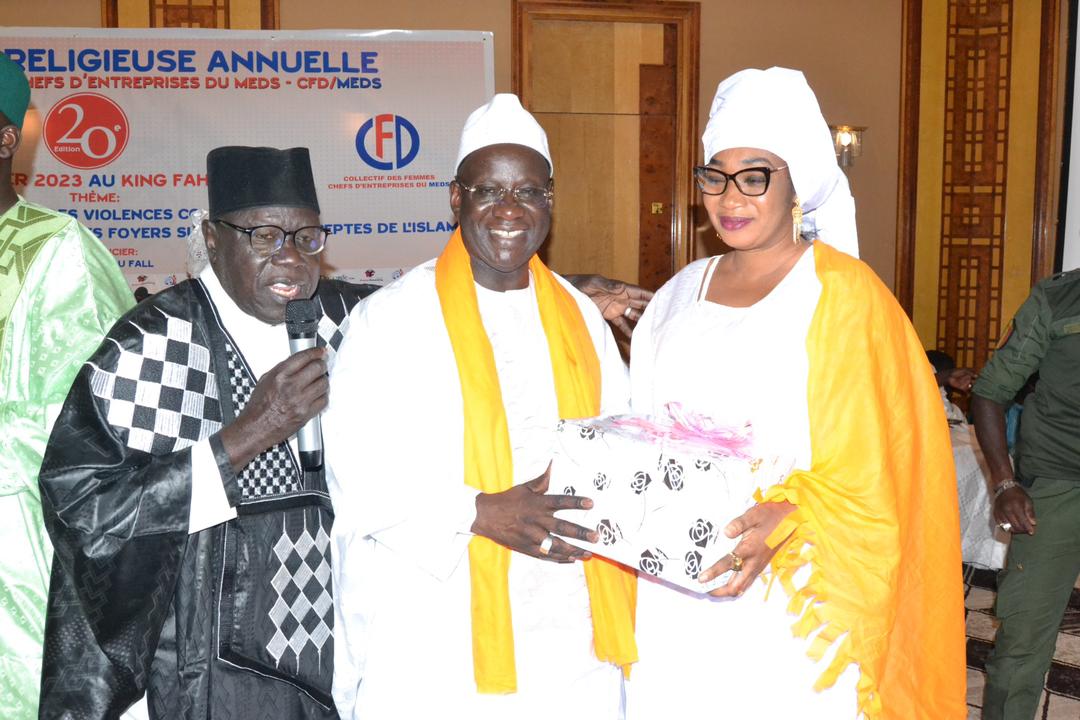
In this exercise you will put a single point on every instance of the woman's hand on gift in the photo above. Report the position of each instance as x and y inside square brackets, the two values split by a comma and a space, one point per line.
[755, 525]
[523, 517]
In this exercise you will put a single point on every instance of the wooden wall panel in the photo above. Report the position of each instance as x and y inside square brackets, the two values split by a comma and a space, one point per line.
[1053, 85]
[636, 44]
[927, 132]
[657, 162]
[205, 14]
[569, 82]
[220, 14]
[975, 107]
[975, 167]
[595, 222]
[969, 301]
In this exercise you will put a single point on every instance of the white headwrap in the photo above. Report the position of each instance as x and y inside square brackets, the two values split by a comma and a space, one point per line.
[776, 110]
[502, 120]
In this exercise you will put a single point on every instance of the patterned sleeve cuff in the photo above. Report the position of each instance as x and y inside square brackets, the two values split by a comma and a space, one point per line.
[228, 477]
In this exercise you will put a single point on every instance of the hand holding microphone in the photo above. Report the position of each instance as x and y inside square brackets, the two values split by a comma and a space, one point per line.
[287, 400]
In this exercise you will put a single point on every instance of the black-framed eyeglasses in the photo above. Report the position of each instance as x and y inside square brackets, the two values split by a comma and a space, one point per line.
[267, 240]
[751, 182]
[484, 195]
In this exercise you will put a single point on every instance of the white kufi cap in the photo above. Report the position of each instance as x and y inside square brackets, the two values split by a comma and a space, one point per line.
[776, 110]
[502, 120]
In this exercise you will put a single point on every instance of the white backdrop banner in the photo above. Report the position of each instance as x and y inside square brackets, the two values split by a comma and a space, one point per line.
[121, 121]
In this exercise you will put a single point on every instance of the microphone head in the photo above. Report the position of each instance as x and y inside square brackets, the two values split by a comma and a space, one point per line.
[302, 316]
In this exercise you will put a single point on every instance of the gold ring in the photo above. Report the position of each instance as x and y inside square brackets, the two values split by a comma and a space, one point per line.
[545, 545]
[736, 562]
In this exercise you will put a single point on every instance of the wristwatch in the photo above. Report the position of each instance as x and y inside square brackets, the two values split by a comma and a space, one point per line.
[1003, 487]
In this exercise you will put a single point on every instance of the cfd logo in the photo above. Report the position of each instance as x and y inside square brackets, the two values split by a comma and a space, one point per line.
[85, 131]
[387, 142]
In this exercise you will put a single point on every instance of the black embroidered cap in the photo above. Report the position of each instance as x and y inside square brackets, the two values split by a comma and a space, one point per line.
[241, 177]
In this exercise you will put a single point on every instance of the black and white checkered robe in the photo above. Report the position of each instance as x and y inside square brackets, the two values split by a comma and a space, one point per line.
[231, 622]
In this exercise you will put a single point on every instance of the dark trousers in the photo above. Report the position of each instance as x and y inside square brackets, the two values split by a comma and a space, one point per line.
[1033, 591]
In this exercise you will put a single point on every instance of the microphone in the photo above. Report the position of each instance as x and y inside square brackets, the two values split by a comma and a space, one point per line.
[302, 322]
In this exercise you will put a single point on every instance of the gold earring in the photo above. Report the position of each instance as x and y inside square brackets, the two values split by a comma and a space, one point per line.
[796, 221]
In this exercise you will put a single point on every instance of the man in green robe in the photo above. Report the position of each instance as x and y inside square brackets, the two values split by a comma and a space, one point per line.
[60, 291]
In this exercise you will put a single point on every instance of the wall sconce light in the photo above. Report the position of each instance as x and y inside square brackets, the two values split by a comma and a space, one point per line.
[847, 141]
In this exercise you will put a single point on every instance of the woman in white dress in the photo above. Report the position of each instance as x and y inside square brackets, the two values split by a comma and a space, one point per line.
[804, 342]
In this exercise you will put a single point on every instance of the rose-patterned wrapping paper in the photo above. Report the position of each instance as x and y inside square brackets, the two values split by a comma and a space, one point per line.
[662, 492]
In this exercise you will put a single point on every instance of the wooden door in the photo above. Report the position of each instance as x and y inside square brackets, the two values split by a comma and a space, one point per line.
[614, 85]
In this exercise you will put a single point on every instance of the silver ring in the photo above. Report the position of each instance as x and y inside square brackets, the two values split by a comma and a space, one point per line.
[1006, 526]
[627, 311]
[545, 545]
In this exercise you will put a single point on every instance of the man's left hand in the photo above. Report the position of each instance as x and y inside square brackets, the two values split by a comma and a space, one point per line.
[621, 303]
[755, 525]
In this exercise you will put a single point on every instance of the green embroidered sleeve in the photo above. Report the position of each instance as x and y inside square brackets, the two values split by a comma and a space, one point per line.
[60, 292]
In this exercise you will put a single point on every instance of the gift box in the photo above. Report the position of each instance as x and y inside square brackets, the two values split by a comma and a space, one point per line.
[663, 489]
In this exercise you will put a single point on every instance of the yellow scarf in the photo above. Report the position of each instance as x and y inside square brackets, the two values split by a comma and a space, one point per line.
[877, 516]
[488, 463]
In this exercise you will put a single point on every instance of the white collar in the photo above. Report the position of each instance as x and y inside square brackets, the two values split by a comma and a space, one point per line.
[262, 345]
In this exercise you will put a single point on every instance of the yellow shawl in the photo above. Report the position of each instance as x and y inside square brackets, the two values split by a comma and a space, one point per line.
[877, 515]
[488, 463]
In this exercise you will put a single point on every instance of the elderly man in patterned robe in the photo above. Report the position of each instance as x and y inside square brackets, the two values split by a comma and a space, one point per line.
[192, 560]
